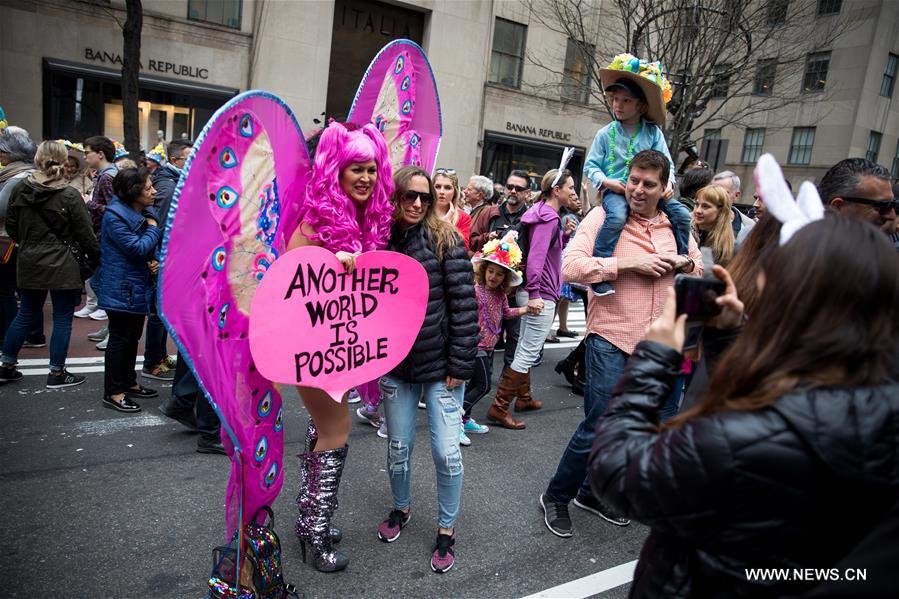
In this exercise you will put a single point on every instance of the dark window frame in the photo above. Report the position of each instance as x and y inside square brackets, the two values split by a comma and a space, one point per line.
[829, 7]
[205, 18]
[762, 76]
[875, 139]
[750, 153]
[577, 84]
[814, 78]
[519, 57]
[802, 153]
[777, 12]
[890, 72]
[721, 84]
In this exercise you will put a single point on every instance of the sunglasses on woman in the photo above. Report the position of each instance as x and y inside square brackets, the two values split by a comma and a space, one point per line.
[448, 171]
[410, 196]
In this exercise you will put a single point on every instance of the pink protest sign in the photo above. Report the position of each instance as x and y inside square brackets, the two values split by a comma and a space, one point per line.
[313, 324]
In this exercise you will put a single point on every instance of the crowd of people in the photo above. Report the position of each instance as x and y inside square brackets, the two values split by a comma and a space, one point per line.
[733, 452]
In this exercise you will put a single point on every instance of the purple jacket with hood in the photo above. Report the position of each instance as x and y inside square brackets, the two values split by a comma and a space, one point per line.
[544, 259]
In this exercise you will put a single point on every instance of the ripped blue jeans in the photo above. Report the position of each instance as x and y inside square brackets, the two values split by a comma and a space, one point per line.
[400, 400]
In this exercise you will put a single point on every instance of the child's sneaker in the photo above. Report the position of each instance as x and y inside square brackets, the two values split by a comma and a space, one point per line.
[471, 426]
[444, 555]
[353, 397]
[463, 438]
[390, 529]
[382, 430]
[422, 405]
[602, 288]
[370, 415]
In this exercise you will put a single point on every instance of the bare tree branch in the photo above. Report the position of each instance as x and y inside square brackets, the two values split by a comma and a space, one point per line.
[712, 51]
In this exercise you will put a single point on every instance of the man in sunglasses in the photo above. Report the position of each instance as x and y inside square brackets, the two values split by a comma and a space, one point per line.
[859, 188]
[492, 222]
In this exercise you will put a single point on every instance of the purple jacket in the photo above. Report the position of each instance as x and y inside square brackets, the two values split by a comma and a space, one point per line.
[544, 259]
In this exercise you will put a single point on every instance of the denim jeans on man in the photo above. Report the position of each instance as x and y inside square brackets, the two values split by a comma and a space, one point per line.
[30, 311]
[532, 336]
[605, 364]
[444, 408]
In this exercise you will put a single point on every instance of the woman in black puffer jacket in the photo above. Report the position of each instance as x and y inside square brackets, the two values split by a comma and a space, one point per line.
[440, 362]
[791, 458]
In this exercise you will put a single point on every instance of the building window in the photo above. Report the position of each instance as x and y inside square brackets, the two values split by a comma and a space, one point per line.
[752, 145]
[576, 77]
[777, 11]
[873, 146]
[720, 81]
[765, 71]
[711, 134]
[895, 168]
[220, 12]
[889, 76]
[801, 145]
[816, 65]
[829, 7]
[507, 57]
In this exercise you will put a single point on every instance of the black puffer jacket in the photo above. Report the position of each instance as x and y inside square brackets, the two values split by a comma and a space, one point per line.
[448, 341]
[795, 485]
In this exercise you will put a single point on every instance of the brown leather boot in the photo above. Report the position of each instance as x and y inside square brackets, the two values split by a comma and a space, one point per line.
[499, 411]
[526, 403]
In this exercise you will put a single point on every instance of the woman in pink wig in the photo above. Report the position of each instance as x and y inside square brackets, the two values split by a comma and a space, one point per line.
[347, 211]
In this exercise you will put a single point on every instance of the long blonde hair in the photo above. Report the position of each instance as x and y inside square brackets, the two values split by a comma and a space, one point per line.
[721, 236]
[443, 235]
[51, 159]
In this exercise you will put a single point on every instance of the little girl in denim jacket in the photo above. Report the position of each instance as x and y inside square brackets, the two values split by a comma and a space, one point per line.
[637, 92]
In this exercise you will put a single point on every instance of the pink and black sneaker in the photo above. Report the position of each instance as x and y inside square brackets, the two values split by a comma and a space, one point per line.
[390, 529]
[444, 555]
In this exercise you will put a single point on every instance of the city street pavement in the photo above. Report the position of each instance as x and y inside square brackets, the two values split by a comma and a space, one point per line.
[101, 504]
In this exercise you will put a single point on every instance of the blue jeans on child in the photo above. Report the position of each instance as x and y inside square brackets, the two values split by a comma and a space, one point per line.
[445, 421]
[32, 309]
[616, 209]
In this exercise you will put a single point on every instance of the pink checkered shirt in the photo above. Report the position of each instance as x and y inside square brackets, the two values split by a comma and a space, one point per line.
[622, 318]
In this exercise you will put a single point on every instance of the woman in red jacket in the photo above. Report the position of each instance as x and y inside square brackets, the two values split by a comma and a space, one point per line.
[449, 202]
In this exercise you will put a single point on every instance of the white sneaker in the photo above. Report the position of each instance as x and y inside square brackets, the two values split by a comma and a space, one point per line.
[102, 345]
[422, 405]
[85, 312]
[99, 314]
[463, 438]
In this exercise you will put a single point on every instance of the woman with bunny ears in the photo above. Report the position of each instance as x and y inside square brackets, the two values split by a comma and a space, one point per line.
[797, 423]
[347, 211]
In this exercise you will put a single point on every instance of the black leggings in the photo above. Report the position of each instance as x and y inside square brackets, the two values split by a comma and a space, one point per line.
[121, 351]
[480, 383]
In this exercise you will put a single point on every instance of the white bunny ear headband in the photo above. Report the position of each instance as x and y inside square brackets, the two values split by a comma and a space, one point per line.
[773, 190]
[566, 156]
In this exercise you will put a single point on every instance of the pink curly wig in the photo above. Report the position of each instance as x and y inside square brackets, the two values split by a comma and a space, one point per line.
[329, 211]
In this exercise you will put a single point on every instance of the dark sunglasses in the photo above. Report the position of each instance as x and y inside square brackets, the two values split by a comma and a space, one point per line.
[882, 206]
[410, 196]
[518, 188]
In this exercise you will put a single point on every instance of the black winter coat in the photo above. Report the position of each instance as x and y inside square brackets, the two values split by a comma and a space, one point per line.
[797, 484]
[448, 341]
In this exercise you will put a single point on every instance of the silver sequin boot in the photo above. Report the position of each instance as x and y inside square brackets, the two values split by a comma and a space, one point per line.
[321, 472]
[311, 438]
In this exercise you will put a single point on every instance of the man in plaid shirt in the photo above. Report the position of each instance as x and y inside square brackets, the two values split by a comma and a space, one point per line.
[99, 153]
[643, 265]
